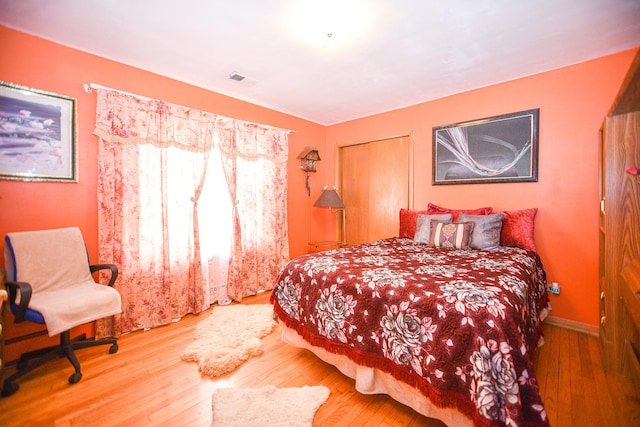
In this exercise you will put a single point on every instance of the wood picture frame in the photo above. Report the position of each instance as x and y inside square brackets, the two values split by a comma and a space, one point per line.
[38, 138]
[495, 149]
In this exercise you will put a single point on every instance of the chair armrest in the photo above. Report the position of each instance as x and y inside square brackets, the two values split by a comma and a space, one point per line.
[114, 271]
[25, 297]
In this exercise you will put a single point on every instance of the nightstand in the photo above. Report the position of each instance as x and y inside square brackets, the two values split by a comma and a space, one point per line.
[325, 245]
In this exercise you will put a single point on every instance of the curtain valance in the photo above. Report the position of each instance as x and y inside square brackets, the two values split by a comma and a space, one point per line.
[126, 119]
[250, 141]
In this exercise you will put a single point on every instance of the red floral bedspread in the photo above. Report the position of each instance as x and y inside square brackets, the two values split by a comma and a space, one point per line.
[462, 326]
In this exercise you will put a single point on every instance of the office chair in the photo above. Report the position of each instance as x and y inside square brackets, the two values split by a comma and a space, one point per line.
[50, 282]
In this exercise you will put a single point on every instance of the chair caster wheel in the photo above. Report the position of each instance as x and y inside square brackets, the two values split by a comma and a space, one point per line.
[9, 388]
[75, 378]
[113, 349]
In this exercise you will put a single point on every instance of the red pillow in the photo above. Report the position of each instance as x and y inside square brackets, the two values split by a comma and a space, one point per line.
[409, 223]
[517, 229]
[433, 209]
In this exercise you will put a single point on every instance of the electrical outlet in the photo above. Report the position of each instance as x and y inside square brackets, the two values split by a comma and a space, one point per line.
[554, 288]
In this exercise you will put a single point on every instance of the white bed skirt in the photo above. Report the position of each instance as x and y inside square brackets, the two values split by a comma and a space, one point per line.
[373, 381]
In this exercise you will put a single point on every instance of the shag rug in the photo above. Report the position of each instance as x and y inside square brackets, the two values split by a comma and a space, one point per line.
[229, 337]
[267, 406]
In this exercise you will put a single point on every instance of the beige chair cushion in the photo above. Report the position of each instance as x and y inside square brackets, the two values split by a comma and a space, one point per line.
[56, 265]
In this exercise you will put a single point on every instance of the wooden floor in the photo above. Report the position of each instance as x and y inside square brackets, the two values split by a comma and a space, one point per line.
[146, 384]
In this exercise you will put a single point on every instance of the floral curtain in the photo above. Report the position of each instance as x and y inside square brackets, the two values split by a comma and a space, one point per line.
[254, 160]
[156, 166]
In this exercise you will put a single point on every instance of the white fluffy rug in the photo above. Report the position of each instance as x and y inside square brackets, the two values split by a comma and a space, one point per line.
[229, 336]
[267, 406]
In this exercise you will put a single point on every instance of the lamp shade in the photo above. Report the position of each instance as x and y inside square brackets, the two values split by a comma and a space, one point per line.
[329, 199]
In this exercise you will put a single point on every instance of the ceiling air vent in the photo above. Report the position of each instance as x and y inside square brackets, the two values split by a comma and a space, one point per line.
[243, 80]
[236, 76]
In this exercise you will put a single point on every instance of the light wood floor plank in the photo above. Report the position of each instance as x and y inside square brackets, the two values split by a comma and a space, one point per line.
[579, 411]
[548, 356]
[606, 401]
[147, 384]
[588, 384]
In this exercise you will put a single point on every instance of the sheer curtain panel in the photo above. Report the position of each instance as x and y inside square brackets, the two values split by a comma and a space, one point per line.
[254, 160]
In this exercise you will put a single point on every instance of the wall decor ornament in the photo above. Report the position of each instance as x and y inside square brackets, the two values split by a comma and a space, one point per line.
[494, 149]
[308, 158]
[37, 135]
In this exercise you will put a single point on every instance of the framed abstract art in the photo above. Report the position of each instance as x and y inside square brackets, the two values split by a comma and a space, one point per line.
[494, 149]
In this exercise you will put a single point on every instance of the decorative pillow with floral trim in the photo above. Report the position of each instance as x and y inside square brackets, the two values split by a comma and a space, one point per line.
[434, 209]
[423, 231]
[409, 223]
[518, 228]
[455, 235]
[486, 230]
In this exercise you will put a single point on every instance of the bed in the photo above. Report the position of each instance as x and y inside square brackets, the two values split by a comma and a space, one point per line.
[449, 327]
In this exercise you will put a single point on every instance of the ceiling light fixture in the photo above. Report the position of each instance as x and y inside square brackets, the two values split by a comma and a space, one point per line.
[328, 22]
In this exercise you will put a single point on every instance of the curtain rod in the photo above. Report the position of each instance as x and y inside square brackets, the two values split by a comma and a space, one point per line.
[88, 88]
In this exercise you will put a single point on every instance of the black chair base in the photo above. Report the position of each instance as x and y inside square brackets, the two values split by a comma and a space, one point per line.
[64, 349]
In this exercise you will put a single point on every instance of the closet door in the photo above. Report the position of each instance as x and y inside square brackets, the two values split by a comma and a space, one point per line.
[375, 185]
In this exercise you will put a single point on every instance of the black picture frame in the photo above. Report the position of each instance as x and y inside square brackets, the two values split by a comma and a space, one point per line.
[38, 138]
[495, 149]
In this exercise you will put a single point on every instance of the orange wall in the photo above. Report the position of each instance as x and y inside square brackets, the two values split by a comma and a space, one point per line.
[34, 62]
[573, 102]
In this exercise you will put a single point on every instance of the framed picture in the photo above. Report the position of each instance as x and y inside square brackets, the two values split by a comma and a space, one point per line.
[37, 135]
[495, 149]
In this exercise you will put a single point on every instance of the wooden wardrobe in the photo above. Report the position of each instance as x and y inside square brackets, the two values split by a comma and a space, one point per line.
[620, 232]
[375, 180]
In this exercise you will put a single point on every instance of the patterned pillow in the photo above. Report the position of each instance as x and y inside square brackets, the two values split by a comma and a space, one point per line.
[409, 222]
[486, 230]
[517, 228]
[423, 231]
[451, 235]
[434, 209]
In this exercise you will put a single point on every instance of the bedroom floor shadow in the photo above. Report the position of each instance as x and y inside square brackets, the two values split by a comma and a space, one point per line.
[147, 384]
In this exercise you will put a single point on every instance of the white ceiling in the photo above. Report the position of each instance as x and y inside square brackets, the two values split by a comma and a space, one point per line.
[401, 52]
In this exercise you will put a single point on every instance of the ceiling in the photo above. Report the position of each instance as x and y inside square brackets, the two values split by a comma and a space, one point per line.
[389, 54]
